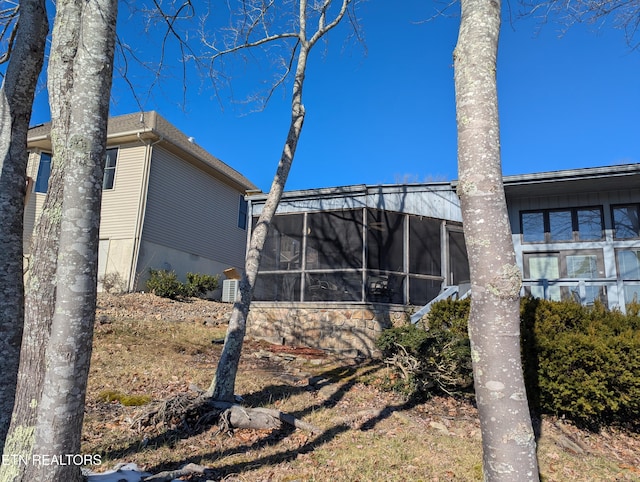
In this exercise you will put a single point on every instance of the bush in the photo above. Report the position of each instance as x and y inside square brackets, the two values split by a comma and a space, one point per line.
[198, 284]
[582, 363]
[437, 359]
[165, 284]
[113, 283]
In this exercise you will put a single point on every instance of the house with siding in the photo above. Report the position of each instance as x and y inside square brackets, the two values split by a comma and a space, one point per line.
[166, 204]
[576, 233]
[341, 264]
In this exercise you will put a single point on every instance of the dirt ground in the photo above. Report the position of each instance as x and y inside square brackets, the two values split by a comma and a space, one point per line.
[145, 345]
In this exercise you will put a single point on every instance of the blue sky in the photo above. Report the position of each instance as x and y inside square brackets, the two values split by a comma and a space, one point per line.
[387, 114]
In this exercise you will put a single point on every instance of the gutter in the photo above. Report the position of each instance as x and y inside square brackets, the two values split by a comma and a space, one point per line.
[142, 205]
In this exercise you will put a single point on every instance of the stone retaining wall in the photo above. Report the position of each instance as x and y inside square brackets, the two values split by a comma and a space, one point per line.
[346, 329]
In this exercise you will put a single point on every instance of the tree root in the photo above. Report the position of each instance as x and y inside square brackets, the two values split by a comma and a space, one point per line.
[191, 413]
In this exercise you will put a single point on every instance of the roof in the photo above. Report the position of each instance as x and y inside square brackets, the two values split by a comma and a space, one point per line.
[354, 190]
[609, 178]
[153, 127]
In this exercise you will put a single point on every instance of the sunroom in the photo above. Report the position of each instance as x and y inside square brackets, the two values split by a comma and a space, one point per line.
[355, 257]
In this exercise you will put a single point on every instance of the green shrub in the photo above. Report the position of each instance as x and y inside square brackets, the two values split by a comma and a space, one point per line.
[198, 284]
[165, 284]
[582, 363]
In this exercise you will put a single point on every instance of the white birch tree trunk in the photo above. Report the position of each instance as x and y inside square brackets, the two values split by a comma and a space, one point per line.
[16, 101]
[222, 385]
[61, 292]
[84, 34]
[509, 449]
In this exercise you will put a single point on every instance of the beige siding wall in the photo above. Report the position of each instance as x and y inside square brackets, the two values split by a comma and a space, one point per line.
[191, 212]
[120, 204]
[120, 207]
[34, 204]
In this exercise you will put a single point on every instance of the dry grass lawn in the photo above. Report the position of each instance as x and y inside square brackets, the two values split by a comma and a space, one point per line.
[367, 434]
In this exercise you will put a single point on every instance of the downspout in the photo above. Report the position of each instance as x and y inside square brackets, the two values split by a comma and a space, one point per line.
[142, 205]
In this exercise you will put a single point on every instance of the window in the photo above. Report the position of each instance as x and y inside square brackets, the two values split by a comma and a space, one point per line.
[582, 266]
[556, 275]
[629, 264]
[44, 170]
[243, 208]
[110, 169]
[533, 227]
[626, 223]
[629, 272]
[561, 225]
[589, 224]
[544, 266]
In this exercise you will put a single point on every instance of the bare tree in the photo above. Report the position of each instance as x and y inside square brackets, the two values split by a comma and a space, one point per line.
[25, 53]
[255, 30]
[61, 307]
[624, 14]
[494, 322]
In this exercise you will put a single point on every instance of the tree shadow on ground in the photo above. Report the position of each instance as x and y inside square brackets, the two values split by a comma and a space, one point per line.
[344, 377]
[281, 392]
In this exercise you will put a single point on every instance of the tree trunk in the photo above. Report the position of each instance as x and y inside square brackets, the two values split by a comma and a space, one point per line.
[222, 386]
[84, 36]
[494, 323]
[80, 72]
[16, 101]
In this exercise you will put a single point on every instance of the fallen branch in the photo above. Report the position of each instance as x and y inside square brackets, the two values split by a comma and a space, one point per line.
[264, 418]
[169, 475]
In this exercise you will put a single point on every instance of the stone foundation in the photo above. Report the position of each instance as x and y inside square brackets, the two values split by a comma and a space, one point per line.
[346, 329]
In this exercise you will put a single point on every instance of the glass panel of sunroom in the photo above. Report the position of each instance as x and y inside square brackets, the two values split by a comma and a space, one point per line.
[421, 291]
[424, 245]
[458, 259]
[277, 287]
[336, 286]
[385, 288]
[282, 249]
[385, 234]
[334, 239]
